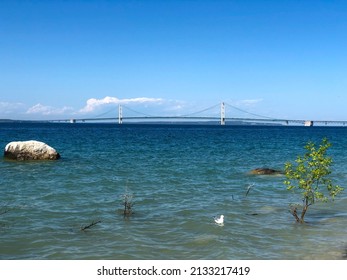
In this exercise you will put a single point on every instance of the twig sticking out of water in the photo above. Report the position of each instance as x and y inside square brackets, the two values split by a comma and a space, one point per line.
[128, 204]
[92, 224]
[4, 211]
[249, 188]
[344, 256]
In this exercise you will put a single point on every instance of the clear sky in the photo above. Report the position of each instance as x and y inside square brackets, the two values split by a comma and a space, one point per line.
[284, 59]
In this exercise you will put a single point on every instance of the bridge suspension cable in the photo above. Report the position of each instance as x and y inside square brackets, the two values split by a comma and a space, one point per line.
[249, 113]
[199, 112]
[137, 112]
[178, 116]
[105, 113]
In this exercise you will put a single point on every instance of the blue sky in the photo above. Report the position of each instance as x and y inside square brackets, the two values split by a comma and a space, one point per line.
[62, 59]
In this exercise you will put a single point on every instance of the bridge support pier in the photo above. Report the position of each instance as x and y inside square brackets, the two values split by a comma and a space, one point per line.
[222, 113]
[120, 114]
[308, 123]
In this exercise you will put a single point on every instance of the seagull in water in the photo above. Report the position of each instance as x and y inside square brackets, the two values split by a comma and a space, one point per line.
[219, 220]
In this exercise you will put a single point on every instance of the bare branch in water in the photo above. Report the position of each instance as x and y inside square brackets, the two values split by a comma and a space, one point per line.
[344, 256]
[92, 224]
[4, 211]
[128, 204]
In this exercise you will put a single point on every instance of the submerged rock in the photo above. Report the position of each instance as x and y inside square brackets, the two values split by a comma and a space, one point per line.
[265, 171]
[30, 150]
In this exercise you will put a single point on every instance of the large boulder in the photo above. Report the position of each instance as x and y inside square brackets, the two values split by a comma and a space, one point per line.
[30, 150]
[265, 171]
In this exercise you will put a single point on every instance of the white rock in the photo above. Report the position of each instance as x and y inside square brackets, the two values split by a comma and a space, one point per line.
[30, 150]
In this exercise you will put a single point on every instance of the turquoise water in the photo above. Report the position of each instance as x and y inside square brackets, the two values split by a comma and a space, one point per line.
[180, 176]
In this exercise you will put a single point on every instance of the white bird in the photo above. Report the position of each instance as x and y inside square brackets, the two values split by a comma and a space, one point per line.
[219, 220]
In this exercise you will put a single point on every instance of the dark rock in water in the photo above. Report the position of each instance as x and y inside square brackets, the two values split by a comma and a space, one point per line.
[30, 150]
[265, 171]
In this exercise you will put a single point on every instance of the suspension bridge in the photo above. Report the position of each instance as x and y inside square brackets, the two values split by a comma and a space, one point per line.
[219, 116]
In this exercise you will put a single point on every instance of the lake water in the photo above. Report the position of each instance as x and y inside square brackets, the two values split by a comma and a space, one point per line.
[180, 176]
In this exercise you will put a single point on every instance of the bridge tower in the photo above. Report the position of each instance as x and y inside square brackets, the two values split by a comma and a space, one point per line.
[222, 113]
[120, 114]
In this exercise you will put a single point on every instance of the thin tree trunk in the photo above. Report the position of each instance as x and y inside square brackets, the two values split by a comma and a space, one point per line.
[295, 214]
[304, 211]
